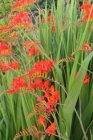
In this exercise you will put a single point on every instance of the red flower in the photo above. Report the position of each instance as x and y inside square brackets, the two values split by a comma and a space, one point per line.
[37, 134]
[14, 35]
[20, 19]
[86, 79]
[43, 66]
[41, 69]
[33, 50]
[5, 49]
[41, 121]
[49, 18]
[52, 101]
[51, 130]
[21, 3]
[37, 83]
[53, 92]
[11, 91]
[13, 65]
[41, 99]
[18, 84]
[46, 85]
[86, 47]
[53, 28]
[8, 66]
[50, 98]
[88, 11]
[4, 67]
[86, 6]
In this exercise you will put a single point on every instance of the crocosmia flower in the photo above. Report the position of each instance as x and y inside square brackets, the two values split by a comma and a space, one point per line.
[18, 84]
[87, 8]
[20, 19]
[86, 47]
[41, 120]
[14, 65]
[53, 27]
[22, 3]
[86, 79]
[51, 130]
[37, 134]
[5, 49]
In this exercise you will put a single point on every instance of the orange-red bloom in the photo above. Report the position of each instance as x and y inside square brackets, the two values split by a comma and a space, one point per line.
[50, 97]
[5, 49]
[87, 8]
[14, 35]
[86, 79]
[9, 66]
[86, 47]
[51, 130]
[37, 134]
[18, 84]
[53, 28]
[40, 68]
[20, 19]
[37, 83]
[43, 66]
[21, 3]
[46, 85]
[41, 120]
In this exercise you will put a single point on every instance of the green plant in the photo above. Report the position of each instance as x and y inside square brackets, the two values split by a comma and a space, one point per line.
[53, 57]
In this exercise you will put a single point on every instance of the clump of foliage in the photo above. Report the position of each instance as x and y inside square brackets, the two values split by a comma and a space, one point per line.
[46, 73]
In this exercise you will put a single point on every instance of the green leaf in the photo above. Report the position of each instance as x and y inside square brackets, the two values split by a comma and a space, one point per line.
[74, 93]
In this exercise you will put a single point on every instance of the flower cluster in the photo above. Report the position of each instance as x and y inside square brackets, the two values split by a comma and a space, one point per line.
[47, 102]
[20, 20]
[34, 79]
[41, 68]
[46, 106]
[18, 84]
[87, 8]
[22, 3]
